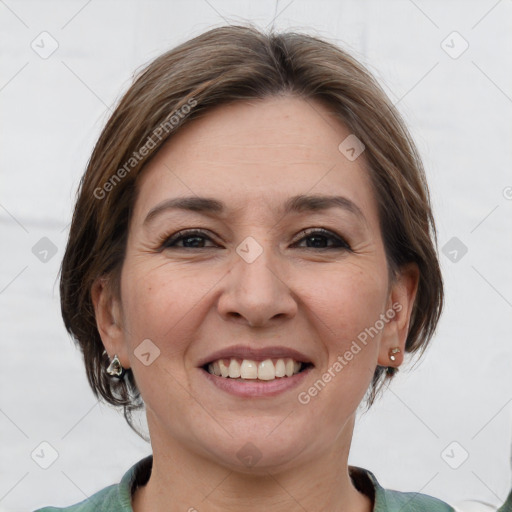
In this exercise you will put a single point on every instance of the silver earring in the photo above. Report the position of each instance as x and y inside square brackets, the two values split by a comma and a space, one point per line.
[392, 353]
[115, 369]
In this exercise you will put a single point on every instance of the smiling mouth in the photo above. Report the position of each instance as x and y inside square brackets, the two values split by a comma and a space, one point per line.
[248, 369]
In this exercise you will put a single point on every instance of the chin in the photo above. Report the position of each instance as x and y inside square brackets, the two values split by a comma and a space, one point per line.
[258, 454]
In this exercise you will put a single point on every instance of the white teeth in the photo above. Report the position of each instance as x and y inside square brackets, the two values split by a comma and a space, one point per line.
[280, 368]
[234, 369]
[224, 370]
[251, 370]
[289, 367]
[248, 369]
[266, 370]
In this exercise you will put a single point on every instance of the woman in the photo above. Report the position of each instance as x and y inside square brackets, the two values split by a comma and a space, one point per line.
[251, 254]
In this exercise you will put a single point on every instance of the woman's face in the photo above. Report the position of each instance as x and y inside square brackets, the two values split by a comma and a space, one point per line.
[252, 286]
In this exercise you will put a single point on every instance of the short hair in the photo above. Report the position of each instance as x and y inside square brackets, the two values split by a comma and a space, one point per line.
[224, 65]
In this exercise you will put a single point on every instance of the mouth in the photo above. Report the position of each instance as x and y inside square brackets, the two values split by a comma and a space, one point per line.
[249, 369]
[243, 363]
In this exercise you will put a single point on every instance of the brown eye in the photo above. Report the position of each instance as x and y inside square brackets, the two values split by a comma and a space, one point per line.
[316, 238]
[191, 239]
[321, 238]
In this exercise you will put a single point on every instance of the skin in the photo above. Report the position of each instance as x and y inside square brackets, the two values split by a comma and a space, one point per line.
[192, 301]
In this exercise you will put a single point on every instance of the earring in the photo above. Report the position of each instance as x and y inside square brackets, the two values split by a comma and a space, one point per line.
[115, 369]
[393, 351]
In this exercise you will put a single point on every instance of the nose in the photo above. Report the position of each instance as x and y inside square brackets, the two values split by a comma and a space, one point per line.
[257, 292]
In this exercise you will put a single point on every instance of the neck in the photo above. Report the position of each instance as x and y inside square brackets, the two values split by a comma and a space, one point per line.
[193, 483]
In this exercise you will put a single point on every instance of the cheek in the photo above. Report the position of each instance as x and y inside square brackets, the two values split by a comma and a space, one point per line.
[349, 299]
[347, 302]
[159, 301]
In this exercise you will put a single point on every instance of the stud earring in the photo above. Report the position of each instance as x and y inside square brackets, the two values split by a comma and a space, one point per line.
[392, 353]
[115, 368]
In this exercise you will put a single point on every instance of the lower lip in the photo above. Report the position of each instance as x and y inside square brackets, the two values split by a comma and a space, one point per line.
[257, 388]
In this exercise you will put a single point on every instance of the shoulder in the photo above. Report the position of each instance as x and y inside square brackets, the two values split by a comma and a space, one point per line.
[411, 501]
[105, 500]
[507, 506]
[115, 497]
[386, 500]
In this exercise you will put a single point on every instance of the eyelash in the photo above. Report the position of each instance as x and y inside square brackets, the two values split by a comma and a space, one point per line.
[167, 242]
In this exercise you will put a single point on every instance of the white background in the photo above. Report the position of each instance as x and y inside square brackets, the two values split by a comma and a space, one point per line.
[459, 111]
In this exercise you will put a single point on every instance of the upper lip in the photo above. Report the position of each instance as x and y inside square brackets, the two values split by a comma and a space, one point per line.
[255, 354]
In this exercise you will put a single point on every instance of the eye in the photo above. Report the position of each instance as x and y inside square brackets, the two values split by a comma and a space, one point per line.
[192, 238]
[195, 239]
[320, 236]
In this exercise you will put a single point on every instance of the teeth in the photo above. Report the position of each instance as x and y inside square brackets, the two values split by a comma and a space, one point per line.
[224, 370]
[234, 369]
[266, 370]
[289, 367]
[280, 368]
[252, 370]
[248, 369]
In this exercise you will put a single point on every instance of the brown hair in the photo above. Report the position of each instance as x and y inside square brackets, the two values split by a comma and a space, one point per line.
[223, 65]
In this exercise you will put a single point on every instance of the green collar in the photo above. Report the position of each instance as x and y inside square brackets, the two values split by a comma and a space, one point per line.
[364, 481]
[507, 506]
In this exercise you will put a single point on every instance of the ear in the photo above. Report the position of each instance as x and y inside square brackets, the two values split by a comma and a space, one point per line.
[398, 313]
[107, 310]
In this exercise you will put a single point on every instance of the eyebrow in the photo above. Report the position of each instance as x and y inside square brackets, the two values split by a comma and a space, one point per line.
[295, 204]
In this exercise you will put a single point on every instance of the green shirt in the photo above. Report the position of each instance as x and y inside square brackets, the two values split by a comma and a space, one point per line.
[117, 497]
[507, 506]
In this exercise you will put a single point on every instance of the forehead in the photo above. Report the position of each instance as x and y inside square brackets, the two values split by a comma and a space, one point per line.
[257, 154]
